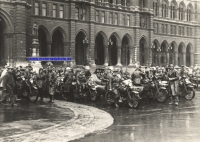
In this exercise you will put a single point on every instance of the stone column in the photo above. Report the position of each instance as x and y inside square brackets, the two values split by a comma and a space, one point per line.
[167, 58]
[65, 47]
[176, 58]
[192, 59]
[159, 55]
[106, 56]
[119, 56]
[184, 59]
[49, 48]
[131, 57]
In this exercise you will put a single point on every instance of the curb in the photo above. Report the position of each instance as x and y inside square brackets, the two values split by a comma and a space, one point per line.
[87, 120]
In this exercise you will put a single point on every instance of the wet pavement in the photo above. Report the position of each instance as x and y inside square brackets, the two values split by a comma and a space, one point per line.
[28, 117]
[151, 122]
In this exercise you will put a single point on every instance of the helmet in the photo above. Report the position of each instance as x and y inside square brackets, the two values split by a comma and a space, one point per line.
[87, 68]
[68, 68]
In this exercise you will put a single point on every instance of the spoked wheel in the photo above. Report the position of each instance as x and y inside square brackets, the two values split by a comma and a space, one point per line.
[133, 101]
[190, 94]
[162, 96]
[93, 95]
[33, 97]
[109, 98]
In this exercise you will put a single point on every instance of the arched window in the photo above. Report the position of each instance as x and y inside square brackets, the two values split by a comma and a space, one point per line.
[142, 3]
[189, 13]
[155, 8]
[164, 9]
[172, 11]
[181, 12]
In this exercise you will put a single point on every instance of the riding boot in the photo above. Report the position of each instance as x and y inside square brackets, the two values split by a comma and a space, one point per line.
[52, 99]
[116, 102]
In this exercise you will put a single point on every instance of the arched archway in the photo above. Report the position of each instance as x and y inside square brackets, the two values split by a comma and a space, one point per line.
[42, 37]
[125, 53]
[180, 54]
[143, 52]
[80, 50]
[57, 45]
[164, 54]
[99, 50]
[7, 52]
[189, 56]
[156, 46]
[172, 53]
[113, 49]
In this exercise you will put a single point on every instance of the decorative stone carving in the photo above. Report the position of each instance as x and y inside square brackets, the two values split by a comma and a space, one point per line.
[35, 29]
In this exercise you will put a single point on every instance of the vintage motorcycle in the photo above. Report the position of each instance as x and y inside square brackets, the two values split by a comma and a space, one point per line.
[128, 94]
[155, 89]
[187, 88]
[28, 89]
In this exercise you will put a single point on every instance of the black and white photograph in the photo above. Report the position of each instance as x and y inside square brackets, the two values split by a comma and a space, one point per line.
[99, 70]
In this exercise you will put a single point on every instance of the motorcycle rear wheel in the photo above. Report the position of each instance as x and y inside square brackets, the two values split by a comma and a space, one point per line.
[190, 94]
[162, 96]
[33, 97]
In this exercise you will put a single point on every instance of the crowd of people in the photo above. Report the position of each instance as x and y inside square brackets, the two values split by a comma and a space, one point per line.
[46, 78]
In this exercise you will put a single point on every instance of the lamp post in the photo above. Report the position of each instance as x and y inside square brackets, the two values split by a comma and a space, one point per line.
[154, 49]
[85, 43]
[170, 51]
[110, 43]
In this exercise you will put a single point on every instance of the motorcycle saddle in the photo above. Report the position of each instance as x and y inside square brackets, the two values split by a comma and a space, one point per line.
[101, 87]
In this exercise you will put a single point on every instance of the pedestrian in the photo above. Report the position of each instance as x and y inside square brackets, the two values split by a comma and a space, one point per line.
[173, 85]
[8, 86]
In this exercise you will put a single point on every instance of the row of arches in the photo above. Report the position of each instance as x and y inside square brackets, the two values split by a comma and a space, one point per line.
[120, 52]
[165, 53]
[175, 3]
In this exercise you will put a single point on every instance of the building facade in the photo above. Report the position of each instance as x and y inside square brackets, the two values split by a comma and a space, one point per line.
[115, 32]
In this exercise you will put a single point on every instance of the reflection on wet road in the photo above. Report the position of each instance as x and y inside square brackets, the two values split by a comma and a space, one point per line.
[151, 122]
[28, 117]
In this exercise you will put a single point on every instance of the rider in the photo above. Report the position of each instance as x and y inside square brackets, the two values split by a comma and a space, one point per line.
[68, 79]
[52, 81]
[113, 82]
[173, 83]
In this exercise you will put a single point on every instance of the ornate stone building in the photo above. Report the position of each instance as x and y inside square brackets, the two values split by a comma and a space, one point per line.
[117, 32]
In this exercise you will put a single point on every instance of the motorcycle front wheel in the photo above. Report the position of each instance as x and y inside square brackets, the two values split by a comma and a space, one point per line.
[190, 94]
[33, 97]
[109, 96]
[162, 96]
[133, 101]
[93, 95]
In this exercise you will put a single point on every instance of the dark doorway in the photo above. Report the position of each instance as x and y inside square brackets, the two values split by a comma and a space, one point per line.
[57, 46]
[79, 49]
[99, 50]
[125, 53]
[113, 50]
[43, 44]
